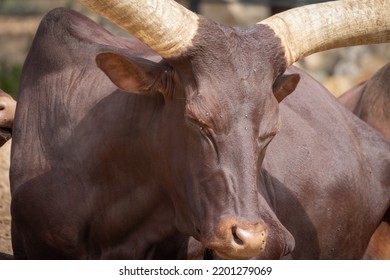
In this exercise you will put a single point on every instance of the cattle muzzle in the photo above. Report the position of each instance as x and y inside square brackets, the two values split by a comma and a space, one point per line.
[235, 240]
[7, 114]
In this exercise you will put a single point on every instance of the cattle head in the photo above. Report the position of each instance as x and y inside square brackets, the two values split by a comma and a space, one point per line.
[221, 88]
[7, 113]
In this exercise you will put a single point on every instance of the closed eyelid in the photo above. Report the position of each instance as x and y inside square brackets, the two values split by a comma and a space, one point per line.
[195, 118]
[198, 122]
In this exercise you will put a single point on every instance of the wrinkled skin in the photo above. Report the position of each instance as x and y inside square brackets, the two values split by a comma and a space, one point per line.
[7, 113]
[151, 152]
[370, 101]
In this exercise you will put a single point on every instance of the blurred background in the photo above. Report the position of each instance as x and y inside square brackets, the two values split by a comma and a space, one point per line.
[338, 70]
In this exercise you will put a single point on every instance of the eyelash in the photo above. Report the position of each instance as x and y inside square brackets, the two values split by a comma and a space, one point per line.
[198, 124]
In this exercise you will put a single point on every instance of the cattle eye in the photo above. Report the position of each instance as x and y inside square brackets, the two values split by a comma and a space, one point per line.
[194, 119]
[199, 124]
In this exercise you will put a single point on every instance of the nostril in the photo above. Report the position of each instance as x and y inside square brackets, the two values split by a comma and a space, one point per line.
[239, 240]
[249, 238]
[236, 239]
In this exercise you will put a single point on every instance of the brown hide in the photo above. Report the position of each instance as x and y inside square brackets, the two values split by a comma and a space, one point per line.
[370, 101]
[179, 150]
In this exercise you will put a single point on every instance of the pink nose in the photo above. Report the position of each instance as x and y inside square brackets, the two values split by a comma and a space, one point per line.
[252, 239]
[7, 113]
[7, 110]
[239, 241]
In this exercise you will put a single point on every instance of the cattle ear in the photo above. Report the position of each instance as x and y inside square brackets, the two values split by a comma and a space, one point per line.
[284, 85]
[132, 74]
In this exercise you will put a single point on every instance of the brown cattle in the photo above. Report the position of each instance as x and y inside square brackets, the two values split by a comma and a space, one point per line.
[136, 152]
[7, 112]
[370, 101]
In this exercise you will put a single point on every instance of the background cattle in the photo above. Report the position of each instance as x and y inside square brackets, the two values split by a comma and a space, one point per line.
[370, 101]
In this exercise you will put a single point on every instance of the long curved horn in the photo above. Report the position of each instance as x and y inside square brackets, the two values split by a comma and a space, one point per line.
[318, 27]
[165, 26]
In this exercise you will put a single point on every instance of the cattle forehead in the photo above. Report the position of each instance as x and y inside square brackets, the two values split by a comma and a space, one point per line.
[230, 68]
[224, 48]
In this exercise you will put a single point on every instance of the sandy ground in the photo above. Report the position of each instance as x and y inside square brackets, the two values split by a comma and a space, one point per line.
[5, 217]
